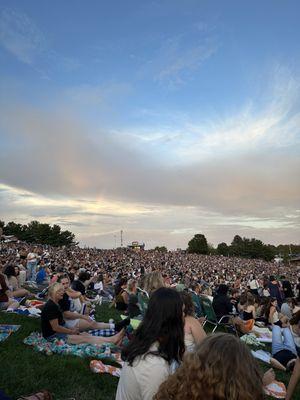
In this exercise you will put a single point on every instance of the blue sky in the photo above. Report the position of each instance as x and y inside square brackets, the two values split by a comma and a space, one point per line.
[161, 118]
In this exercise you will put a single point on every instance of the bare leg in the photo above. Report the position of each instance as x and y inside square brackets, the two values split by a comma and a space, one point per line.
[19, 293]
[277, 364]
[79, 339]
[85, 325]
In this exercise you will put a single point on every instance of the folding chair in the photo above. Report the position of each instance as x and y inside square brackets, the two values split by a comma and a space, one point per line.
[211, 317]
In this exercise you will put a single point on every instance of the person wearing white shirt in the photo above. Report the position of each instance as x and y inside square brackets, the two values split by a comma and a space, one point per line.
[156, 348]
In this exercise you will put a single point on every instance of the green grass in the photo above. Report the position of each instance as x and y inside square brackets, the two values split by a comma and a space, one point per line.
[24, 371]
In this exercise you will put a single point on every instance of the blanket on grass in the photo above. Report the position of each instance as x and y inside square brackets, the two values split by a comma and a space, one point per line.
[59, 346]
[7, 330]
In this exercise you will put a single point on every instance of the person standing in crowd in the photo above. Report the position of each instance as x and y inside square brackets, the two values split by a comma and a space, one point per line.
[275, 289]
[286, 287]
[32, 259]
[254, 285]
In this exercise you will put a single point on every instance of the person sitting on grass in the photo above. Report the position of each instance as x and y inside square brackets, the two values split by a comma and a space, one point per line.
[271, 313]
[193, 331]
[157, 345]
[16, 290]
[284, 353]
[221, 367]
[295, 330]
[82, 283]
[53, 324]
[6, 302]
[221, 303]
[79, 321]
[75, 297]
[121, 295]
[246, 307]
[42, 276]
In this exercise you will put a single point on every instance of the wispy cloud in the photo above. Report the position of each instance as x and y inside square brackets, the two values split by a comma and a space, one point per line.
[178, 61]
[20, 36]
[269, 122]
[177, 57]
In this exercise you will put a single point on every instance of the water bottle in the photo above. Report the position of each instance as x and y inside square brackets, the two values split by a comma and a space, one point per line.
[107, 351]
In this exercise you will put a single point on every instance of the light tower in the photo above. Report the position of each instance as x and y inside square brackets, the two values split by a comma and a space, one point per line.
[121, 238]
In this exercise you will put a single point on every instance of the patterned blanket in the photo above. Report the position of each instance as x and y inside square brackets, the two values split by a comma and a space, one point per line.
[59, 346]
[6, 330]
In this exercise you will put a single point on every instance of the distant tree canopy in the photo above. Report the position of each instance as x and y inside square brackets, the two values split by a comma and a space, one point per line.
[162, 249]
[198, 244]
[36, 232]
[242, 247]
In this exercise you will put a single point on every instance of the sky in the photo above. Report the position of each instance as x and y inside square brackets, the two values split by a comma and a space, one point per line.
[159, 118]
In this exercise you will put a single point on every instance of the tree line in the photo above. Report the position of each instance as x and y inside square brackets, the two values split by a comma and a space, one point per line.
[242, 247]
[36, 232]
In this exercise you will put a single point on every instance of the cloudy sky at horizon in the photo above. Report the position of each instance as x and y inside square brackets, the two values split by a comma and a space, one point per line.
[160, 118]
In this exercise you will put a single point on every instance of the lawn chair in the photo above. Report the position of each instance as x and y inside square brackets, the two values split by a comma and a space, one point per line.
[143, 300]
[211, 317]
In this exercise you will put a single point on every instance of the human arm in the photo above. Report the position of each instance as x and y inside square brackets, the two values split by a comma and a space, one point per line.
[271, 314]
[252, 308]
[125, 297]
[197, 330]
[61, 329]
[73, 293]
[293, 381]
[74, 315]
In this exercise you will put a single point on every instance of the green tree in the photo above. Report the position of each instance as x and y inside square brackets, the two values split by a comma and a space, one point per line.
[35, 232]
[198, 244]
[237, 246]
[223, 249]
[162, 249]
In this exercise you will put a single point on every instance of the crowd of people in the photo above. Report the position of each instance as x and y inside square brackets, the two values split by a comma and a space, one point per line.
[170, 355]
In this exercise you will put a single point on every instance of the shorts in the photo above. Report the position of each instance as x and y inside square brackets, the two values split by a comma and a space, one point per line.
[62, 336]
[71, 323]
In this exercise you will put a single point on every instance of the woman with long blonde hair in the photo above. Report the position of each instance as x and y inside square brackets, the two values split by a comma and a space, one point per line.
[152, 281]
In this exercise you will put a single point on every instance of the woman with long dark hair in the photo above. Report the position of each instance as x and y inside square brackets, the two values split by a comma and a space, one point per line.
[157, 344]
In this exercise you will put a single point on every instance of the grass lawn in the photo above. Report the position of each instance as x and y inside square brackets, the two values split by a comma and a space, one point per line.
[24, 371]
